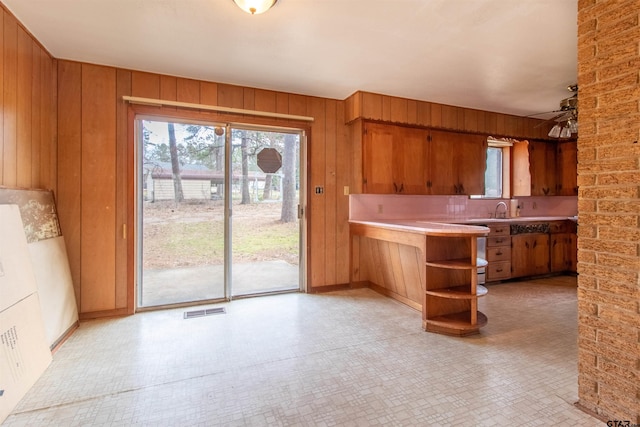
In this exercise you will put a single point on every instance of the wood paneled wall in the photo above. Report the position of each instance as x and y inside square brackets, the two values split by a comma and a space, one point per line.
[96, 175]
[372, 106]
[27, 121]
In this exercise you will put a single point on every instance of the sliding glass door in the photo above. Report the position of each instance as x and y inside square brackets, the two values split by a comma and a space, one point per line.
[265, 226]
[218, 211]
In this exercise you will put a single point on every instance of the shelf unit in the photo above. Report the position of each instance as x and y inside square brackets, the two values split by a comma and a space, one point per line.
[452, 289]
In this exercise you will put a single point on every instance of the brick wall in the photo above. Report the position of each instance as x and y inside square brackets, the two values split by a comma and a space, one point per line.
[609, 208]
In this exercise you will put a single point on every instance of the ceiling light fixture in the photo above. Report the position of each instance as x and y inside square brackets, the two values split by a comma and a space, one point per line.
[255, 7]
[565, 127]
[567, 120]
[555, 131]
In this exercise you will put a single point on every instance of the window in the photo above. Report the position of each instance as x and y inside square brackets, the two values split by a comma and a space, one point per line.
[493, 173]
[497, 174]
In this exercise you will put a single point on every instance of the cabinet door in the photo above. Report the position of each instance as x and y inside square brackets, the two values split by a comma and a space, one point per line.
[409, 160]
[567, 158]
[520, 264]
[377, 152]
[542, 164]
[470, 161]
[441, 174]
[457, 163]
[529, 254]
[540, 254]
[558, 251]
[563, 252]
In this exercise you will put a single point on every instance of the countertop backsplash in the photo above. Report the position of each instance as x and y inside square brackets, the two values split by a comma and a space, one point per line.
[396, 206]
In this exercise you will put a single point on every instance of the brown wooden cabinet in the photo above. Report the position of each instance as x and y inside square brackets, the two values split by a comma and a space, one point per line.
[377, 149]
[563, 246]
[543, 168]
[563, 252]
[457, 163]
[498, 253]
[406, 160]
[441, 176]
[529, 254]
[552, 248]
[394, 159]
[410, 163]
[552, 168]
[567, 168]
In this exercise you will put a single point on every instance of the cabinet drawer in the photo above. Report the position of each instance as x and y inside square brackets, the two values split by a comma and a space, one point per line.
[500, 253]
[498, 270]
[499, 230]
[499, 241]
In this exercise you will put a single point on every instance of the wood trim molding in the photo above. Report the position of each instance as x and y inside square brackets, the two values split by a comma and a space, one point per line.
[162, 102]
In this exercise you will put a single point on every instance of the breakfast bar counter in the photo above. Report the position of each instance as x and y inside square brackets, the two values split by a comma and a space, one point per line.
[427, 265]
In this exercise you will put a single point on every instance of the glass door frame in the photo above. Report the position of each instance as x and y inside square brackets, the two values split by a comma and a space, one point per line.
[228, 249]
[302, 206]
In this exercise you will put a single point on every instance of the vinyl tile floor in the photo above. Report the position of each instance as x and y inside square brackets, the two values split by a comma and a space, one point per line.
[344, 358]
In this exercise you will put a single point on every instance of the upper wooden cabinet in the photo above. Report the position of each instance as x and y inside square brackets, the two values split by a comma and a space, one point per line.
[457, 163]
[394, 159]
[410, 161]
[543, 167]
[407, 160]
[567, 164]
[552, 168]
[441, 177]
[377, 152]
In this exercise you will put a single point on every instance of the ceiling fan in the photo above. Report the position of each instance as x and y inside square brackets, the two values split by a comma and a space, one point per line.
[567, 119]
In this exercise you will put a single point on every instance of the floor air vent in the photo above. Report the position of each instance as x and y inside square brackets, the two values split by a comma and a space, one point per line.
[206, 312]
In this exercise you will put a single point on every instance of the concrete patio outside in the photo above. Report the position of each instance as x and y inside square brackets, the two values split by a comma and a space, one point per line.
[187, 284]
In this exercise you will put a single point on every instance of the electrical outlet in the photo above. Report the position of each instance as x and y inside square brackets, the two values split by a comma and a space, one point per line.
[379, 209]
[346, 190]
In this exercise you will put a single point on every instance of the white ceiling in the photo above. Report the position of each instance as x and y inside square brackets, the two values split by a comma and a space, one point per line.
[509, 56]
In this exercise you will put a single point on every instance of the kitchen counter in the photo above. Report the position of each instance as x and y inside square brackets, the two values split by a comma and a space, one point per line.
[432, 228]
[430, 266]
[515, 219]
[449, 225]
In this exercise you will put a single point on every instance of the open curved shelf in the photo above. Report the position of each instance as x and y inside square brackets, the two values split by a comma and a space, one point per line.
[457, 323]
[458, 292]
[458, 264]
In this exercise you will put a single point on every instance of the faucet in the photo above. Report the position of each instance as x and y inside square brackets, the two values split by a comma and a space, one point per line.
[503, 214]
